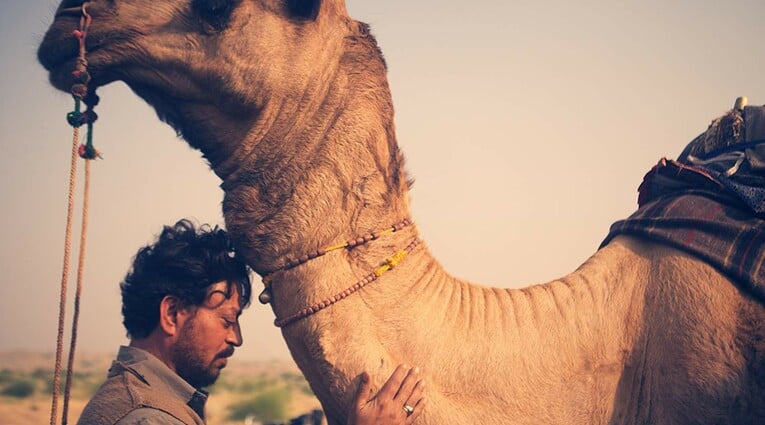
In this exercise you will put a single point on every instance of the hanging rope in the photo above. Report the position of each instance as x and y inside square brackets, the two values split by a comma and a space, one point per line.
[64, 274]
[78, 293]
[88, 152]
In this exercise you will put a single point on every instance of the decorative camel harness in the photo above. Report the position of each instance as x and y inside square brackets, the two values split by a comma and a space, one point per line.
[387, 264]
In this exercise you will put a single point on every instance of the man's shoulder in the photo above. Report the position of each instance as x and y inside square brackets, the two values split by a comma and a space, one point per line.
[126, 398]
[148, 415]
[112, 401]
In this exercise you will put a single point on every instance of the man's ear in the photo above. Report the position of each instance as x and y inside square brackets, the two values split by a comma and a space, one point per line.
[170, 309]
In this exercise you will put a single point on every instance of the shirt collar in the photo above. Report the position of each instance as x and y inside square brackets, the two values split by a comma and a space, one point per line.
[156, 373]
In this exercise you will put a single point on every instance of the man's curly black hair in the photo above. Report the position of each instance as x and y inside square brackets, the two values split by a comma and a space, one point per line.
[184, 261]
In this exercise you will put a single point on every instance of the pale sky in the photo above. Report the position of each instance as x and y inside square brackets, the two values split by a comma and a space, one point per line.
[527, 127]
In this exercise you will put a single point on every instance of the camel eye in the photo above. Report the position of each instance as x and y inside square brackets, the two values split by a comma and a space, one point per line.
[215, 13]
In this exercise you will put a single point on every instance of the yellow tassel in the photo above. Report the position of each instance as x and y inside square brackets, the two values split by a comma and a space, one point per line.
[394, 260]
[390, 263]
[336, 247]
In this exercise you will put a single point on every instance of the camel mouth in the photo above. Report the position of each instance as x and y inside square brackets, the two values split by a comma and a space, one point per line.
[59, 44]
[59, 49]
[59, 60]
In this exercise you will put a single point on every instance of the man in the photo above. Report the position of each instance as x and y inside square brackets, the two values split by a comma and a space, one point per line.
[181, 303]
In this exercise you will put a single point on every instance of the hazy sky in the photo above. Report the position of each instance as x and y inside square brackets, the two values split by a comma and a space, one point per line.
[526, 125]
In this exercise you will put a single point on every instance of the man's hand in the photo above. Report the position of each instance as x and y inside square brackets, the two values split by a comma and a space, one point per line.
[400, 400]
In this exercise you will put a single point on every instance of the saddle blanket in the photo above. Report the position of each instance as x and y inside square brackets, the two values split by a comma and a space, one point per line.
[683, 211]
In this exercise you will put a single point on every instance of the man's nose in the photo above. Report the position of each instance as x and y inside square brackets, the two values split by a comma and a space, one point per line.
[235, 336]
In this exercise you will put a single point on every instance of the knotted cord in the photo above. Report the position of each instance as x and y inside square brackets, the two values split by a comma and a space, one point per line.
[88, 152]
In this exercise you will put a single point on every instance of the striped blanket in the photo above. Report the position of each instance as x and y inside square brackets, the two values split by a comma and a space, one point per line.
[711, 206]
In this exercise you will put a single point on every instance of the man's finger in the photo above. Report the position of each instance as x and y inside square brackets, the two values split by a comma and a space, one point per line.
[418, 409]
[364, 393]
[390, 388]
[406, 388]
[417, 393]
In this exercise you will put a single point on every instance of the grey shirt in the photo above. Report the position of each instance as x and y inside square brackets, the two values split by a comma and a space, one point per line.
[160, 377]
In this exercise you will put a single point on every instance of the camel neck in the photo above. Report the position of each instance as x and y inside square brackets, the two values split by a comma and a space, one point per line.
[420, 313]
[296, 192]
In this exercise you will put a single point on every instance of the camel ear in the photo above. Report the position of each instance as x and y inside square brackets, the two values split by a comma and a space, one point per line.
[304, 9]
[311, 9]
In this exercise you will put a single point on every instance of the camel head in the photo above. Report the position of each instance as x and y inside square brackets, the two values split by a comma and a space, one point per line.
[212, 69]
[265, 89]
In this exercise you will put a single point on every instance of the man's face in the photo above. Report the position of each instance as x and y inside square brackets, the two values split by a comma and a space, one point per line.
[208, 336]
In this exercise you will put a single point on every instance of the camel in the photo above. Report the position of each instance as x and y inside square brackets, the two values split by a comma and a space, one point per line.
[289, 102]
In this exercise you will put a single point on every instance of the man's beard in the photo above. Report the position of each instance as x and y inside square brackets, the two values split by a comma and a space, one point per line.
[188, 361]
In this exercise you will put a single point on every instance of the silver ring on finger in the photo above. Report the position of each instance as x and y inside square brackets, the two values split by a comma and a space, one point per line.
[408, 409]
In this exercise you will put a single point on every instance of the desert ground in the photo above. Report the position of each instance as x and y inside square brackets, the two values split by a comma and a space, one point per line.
[248, 392]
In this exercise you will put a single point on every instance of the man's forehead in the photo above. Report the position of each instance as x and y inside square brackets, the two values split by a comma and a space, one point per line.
[224, 295]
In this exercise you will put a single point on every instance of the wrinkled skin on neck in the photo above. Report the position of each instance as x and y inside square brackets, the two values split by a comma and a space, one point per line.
[288, 100]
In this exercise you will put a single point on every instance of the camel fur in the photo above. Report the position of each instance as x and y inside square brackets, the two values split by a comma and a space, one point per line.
[288, 101]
